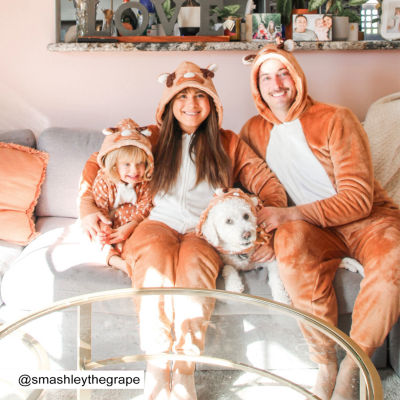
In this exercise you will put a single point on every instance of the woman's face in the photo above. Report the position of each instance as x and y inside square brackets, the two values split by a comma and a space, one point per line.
[191, 107]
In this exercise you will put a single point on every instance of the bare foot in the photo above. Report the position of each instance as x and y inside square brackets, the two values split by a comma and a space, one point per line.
[157, 381]
[119, 263]
[347, 382]
[325, 382]
[183, 387]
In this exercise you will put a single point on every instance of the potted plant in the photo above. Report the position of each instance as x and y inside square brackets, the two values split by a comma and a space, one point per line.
[343, 12]
[229, 18]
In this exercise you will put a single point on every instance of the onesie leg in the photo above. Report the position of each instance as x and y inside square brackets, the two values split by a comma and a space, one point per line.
[153, 250]
[377, 305]
[308, 258]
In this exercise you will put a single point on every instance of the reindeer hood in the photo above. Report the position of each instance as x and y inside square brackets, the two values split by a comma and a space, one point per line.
[222, 195]
[185, 76]
[127, 133]
[301, 101]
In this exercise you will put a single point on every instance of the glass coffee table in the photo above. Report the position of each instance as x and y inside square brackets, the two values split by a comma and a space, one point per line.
[249, 354]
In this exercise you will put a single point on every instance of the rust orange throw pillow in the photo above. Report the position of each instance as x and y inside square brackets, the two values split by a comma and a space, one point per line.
[22, 171]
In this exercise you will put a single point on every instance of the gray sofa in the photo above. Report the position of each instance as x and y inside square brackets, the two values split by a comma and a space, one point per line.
[60, 264]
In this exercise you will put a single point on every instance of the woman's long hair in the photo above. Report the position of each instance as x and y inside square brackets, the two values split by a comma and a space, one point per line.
[212, 162]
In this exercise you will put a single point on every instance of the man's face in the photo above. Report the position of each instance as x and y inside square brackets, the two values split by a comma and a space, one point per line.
[277, 87]
[301, 24]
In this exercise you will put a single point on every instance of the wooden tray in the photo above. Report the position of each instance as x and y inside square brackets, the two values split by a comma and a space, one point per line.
[154, 39]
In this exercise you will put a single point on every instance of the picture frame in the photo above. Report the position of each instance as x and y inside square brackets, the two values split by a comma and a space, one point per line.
[263, 27]
[390, 20]
[312, 27]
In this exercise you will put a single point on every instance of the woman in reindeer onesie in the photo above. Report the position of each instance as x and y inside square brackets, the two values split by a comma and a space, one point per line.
[193, 156]
[321, 155]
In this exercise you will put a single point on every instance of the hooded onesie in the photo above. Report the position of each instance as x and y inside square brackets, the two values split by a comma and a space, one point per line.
[121, 201]
[321, 155]
[164, 250]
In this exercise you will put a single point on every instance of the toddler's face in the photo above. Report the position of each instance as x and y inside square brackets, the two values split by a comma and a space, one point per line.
[130, 171]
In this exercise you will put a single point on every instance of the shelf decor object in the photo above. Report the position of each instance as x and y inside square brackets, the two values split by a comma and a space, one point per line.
[87, 27]
[390, 20]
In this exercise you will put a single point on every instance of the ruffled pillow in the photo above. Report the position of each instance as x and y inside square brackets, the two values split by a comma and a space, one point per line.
[22, 172]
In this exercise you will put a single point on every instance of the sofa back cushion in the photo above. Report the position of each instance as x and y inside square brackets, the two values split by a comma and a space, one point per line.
[68, 151]
[24, 137]
[382, 124]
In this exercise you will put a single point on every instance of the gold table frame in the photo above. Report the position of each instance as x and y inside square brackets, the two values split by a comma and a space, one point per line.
[370, 385]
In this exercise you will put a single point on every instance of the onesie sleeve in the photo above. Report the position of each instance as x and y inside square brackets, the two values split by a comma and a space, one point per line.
[253, 173]
[353, 174]
[86, 201]
[101, 196]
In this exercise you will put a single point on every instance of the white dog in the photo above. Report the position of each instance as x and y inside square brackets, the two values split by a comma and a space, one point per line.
[230, 225]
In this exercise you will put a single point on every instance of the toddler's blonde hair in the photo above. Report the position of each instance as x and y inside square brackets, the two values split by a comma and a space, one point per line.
[125, 153]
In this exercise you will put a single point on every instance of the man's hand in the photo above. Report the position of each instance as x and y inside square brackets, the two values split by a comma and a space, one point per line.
[271, 218]
[91, 224]
[263, 253]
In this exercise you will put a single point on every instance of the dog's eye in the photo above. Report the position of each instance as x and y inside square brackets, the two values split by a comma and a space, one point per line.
[229, 221]
[246, 216]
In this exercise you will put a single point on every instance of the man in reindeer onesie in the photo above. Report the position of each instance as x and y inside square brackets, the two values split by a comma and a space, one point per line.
[321, 155]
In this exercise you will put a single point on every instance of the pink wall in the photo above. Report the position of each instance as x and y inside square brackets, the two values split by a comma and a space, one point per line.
[39, 88]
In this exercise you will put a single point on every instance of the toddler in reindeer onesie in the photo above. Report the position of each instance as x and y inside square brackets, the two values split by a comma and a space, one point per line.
[321, 155]
[121, 187]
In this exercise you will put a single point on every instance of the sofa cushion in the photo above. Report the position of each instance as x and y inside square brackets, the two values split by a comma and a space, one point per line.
[69, 150]
[58, 264]
[24, 137]
[62, 263]
[22, 171]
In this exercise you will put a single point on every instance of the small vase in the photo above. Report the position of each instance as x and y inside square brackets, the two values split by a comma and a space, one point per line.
[340, 28]
[353, 32]
[81, 15]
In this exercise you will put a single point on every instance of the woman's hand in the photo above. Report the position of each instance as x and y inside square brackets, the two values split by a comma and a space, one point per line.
[91, 224]
[121, 234]
[271, 218]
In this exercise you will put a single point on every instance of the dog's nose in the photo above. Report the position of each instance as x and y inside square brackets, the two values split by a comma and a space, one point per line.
[246, 235]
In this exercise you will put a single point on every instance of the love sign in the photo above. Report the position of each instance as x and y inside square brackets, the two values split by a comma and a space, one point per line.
[206, 19]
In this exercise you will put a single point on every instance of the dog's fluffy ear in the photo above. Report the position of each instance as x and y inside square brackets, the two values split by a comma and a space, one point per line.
[209, 232]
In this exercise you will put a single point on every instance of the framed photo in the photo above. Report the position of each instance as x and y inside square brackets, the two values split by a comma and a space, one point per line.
[390, 20]
[312, 27]
[263, 26]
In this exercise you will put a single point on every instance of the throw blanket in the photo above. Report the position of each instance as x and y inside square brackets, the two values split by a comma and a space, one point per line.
[382, 125]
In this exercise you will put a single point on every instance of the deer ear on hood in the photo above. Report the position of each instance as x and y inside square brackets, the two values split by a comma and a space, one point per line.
[249, 59]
